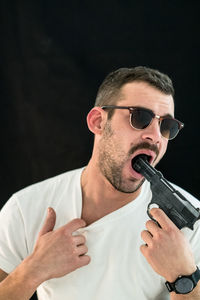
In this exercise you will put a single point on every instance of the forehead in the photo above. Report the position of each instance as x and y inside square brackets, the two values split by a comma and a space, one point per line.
[144, 95]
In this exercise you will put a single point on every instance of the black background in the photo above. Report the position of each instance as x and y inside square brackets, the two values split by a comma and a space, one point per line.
[55, 54]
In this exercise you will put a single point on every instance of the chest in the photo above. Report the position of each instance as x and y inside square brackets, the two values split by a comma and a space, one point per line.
[117, 269]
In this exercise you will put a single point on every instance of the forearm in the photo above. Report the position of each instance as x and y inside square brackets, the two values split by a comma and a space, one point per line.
[194, 295]
[21, 283]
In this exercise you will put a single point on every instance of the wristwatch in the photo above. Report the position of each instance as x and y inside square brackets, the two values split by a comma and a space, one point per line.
[184, 284]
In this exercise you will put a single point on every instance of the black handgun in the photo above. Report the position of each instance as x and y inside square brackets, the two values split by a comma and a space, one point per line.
[171, 201]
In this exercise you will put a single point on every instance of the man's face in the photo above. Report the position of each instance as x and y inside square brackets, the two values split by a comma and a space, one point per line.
[120, 143]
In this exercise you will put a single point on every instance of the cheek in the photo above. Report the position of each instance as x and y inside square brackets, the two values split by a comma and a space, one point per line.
[162, 150]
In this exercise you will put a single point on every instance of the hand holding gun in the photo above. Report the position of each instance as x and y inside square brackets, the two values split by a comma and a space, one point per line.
[172, 202]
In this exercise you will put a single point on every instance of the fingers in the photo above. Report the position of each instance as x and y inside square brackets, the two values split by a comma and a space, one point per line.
[166, 244]
[82, 250]
[152, 227]
[159, 215]
[155, 232]
[79, 240]
[49, 222]
[85, 260]
[58, 251]
[147, 237]
[74, 225]
[143, 249]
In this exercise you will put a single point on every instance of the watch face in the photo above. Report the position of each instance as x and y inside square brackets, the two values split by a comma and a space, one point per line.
[184, 285]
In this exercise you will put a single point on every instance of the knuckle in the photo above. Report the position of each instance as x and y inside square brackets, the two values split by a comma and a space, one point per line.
[158, 235]
[79, 222]
[71, 224]
[83, 250]
[171, 232]
[74, 221]
[74, 252]
[73, 243]
[74, 248]
[149, 223]
[83, 239]
[156, 212]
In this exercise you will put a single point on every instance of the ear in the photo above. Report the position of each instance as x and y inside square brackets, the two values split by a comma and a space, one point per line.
[96, 120]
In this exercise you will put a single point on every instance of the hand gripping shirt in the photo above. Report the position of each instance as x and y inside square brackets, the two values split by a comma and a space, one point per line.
[117, 269]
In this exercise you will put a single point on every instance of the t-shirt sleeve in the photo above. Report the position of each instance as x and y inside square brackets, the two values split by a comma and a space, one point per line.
[13, 246]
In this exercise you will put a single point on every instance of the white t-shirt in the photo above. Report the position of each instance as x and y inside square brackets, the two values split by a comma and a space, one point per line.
[117, 269]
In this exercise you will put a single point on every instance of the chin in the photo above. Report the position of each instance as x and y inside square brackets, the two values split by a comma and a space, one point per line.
[131, 188]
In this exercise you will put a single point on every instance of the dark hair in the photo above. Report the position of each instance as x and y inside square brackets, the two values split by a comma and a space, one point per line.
[110, 87]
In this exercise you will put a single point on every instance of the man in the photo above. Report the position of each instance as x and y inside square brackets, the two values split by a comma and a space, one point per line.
[97, 241]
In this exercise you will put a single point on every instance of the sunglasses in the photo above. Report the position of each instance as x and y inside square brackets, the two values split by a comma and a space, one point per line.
[141, 118]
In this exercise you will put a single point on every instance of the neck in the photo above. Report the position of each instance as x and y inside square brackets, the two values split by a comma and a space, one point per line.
[99, 196]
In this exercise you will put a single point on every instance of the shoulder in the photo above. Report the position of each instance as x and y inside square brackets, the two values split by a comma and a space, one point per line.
[51, 185]
[49, 192]
[26, 209]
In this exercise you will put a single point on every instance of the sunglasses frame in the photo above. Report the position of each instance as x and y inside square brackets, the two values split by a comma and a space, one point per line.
[160, 119]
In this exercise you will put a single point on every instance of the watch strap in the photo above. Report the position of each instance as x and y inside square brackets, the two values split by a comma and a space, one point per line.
[194, 277]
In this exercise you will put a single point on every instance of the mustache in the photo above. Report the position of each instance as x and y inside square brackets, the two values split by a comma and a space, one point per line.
[144, 145]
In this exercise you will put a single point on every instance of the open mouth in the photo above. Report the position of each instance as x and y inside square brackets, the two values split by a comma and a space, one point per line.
[134, 161]
[143, 156]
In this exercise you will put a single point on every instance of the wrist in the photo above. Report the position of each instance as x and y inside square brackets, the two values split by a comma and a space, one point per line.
[33, 272]
[186, 272]
[184, 284]
[21, 283]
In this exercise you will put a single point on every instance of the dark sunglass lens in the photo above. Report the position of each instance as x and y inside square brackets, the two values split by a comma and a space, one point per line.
[141, 118]
[169, 128]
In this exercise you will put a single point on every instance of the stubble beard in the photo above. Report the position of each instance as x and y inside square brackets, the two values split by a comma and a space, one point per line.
[111, 163]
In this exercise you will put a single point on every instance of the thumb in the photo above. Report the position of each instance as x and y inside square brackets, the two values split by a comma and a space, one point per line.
[49, 222]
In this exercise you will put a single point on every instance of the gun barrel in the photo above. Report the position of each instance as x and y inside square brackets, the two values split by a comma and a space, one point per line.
[142, 166]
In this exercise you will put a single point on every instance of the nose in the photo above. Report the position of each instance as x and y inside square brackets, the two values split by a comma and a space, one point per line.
[152, 132]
